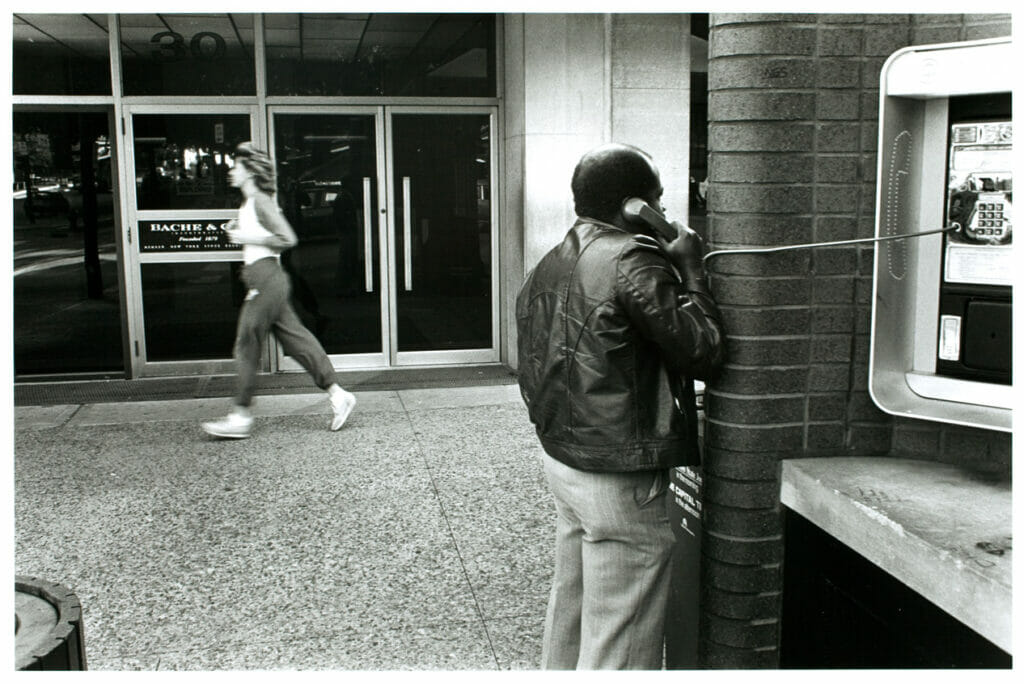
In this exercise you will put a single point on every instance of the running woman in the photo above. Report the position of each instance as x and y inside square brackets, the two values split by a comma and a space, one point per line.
[264, 233]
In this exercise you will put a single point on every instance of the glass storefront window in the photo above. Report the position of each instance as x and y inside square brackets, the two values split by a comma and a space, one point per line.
[438, 55]
[188, 54]
[182, 160]
[61, 54]
[67, 312]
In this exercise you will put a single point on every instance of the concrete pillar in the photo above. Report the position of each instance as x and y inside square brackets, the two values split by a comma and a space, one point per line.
[565, 114]
[650, 96]
[573, 81]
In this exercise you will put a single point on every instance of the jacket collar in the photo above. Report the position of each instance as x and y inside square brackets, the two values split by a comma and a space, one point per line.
[586, 219]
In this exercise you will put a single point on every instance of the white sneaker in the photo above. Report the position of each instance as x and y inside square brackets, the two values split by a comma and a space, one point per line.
[342, 402]
[232, 426]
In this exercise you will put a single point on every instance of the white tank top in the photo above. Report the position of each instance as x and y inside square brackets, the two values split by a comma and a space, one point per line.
[249, 224]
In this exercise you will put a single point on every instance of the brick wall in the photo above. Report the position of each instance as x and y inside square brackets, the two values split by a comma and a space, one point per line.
[792, 110]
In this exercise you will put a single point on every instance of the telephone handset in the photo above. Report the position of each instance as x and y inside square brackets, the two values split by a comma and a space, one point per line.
[635, 209]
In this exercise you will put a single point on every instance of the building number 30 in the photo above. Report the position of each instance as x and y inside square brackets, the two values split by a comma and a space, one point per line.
[205, 45]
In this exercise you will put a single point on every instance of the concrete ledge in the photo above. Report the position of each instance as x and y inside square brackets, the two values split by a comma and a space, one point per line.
[943, 531]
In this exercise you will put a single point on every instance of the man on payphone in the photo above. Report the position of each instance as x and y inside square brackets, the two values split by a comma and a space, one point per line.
[612, 322]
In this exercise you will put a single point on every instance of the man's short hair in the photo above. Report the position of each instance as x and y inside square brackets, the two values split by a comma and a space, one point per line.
[608, 175]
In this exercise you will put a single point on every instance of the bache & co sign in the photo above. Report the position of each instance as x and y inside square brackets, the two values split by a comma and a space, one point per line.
[184, 235]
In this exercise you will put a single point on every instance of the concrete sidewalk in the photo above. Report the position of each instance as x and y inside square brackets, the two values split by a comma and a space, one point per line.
[418, 537]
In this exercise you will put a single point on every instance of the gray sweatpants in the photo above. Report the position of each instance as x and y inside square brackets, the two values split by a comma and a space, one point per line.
[267, 308]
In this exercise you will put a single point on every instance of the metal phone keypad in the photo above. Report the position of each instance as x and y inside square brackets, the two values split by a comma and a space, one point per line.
[991, 220]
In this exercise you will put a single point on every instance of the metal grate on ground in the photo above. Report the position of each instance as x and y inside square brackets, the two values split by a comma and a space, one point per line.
[42, 393]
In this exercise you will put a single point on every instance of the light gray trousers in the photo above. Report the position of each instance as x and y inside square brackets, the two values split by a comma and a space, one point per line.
[613, 549]
[267, 307]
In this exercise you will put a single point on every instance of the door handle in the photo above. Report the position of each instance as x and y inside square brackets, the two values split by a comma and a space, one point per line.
[367, 234]
[407, 230]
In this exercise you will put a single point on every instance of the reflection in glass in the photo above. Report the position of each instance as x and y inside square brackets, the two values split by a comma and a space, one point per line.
[443, 231]
[391, 54]
[698, 192]
[190, 310]
[61, 54]
[182, 160]
[66, 290]
[327, 187]
[188, 54]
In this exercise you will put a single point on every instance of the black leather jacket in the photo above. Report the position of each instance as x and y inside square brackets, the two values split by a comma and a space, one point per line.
[609, 342]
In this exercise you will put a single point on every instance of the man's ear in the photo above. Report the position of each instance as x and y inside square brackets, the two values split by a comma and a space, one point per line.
[624, 219]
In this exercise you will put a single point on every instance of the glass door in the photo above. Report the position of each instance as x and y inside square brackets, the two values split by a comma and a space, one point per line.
[444, 248]
[67, 292]
[396, 250]
[328, 187]
[184, 272]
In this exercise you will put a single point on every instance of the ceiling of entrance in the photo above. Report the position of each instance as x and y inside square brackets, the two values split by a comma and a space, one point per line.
[340, 37]
[83, 34]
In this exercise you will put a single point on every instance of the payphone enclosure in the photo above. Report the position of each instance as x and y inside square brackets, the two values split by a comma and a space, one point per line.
[941, 321]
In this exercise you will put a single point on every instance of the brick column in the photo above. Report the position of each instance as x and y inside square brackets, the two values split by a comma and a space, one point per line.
[792, 116]
[762, 141]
